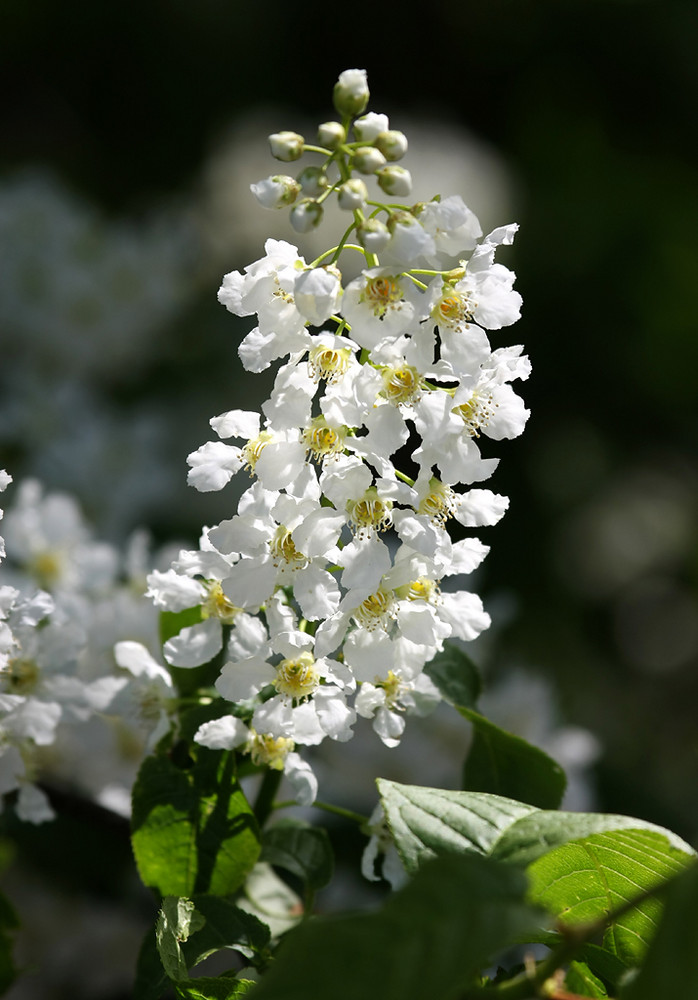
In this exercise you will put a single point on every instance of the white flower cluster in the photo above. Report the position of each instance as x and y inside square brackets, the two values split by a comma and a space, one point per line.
[65, 599]
[325, 588]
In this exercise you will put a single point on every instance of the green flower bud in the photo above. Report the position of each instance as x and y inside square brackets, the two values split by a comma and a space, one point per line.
[395, 180]
[368, 159]
[306, 215]
[373, 235]
[286, 146]
[331, 135]
[392, 144]
[313, 181]
[352, 194]
[351, 92]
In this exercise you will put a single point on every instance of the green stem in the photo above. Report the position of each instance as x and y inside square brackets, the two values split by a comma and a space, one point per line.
[265, 796]
[405, 478]
[339, 811]
[307, 148]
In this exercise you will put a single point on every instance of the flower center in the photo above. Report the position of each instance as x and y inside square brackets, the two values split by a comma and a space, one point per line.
[454, 308]
[422, 589]
[370, 513]
[401, 385]
[477, 412]
[297, 678]
[393, 685]
[329, 362]
[284, 550]
[46, 567]
[439, 503]
[217, 604]
[253, 449]
[267, 750]
[323, 441]
[21, 676]
[381, 293]
[377, 610]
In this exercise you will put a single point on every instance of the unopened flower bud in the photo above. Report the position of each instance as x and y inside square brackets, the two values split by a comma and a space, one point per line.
[352, 194]
[369, 126]
[331, 135]
[395, 180]
[392, 144]
[276, 192]
[368, 159]
[373, 235]
[351, 92]
[313, 181]
[306, 215]
[286, 146]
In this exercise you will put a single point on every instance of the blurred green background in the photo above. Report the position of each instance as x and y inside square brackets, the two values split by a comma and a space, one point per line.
[136, 115]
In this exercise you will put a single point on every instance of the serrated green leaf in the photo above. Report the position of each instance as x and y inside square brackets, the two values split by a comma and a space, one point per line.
[430, 939]
[670, 968]
[300, 848]
[585, 880]
[209, 988]
[582, 981]
[192, 829]
[504, 764]
[426, 822]
[456, 676]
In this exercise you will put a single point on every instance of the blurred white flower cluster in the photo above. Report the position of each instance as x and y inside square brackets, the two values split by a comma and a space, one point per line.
[325, 587]
[68, 711]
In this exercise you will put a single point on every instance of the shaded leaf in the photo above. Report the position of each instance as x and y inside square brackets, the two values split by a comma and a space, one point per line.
[504, 764]
[300, 848]
[670, 968]
[446, 924]
[192, 829]
[226, 926]
[583, 881]
[268, 898]
[582, 981]
[456, 676]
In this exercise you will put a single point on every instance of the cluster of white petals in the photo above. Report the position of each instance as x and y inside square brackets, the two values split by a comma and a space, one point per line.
[65, 599]
[332, 585]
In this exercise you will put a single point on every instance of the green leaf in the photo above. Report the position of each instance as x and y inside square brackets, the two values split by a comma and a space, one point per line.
[670, 968]
[300, 848]
[430, 939]
[176, 920]
[226, 926]
[192, 828]
[172, 622]
[151, 980]
[582, 981]
[504, 764]
[456, 676]
[209, 988]
[584, 880]
[426, 822]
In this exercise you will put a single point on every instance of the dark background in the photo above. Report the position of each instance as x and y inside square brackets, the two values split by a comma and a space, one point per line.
[592, 107]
